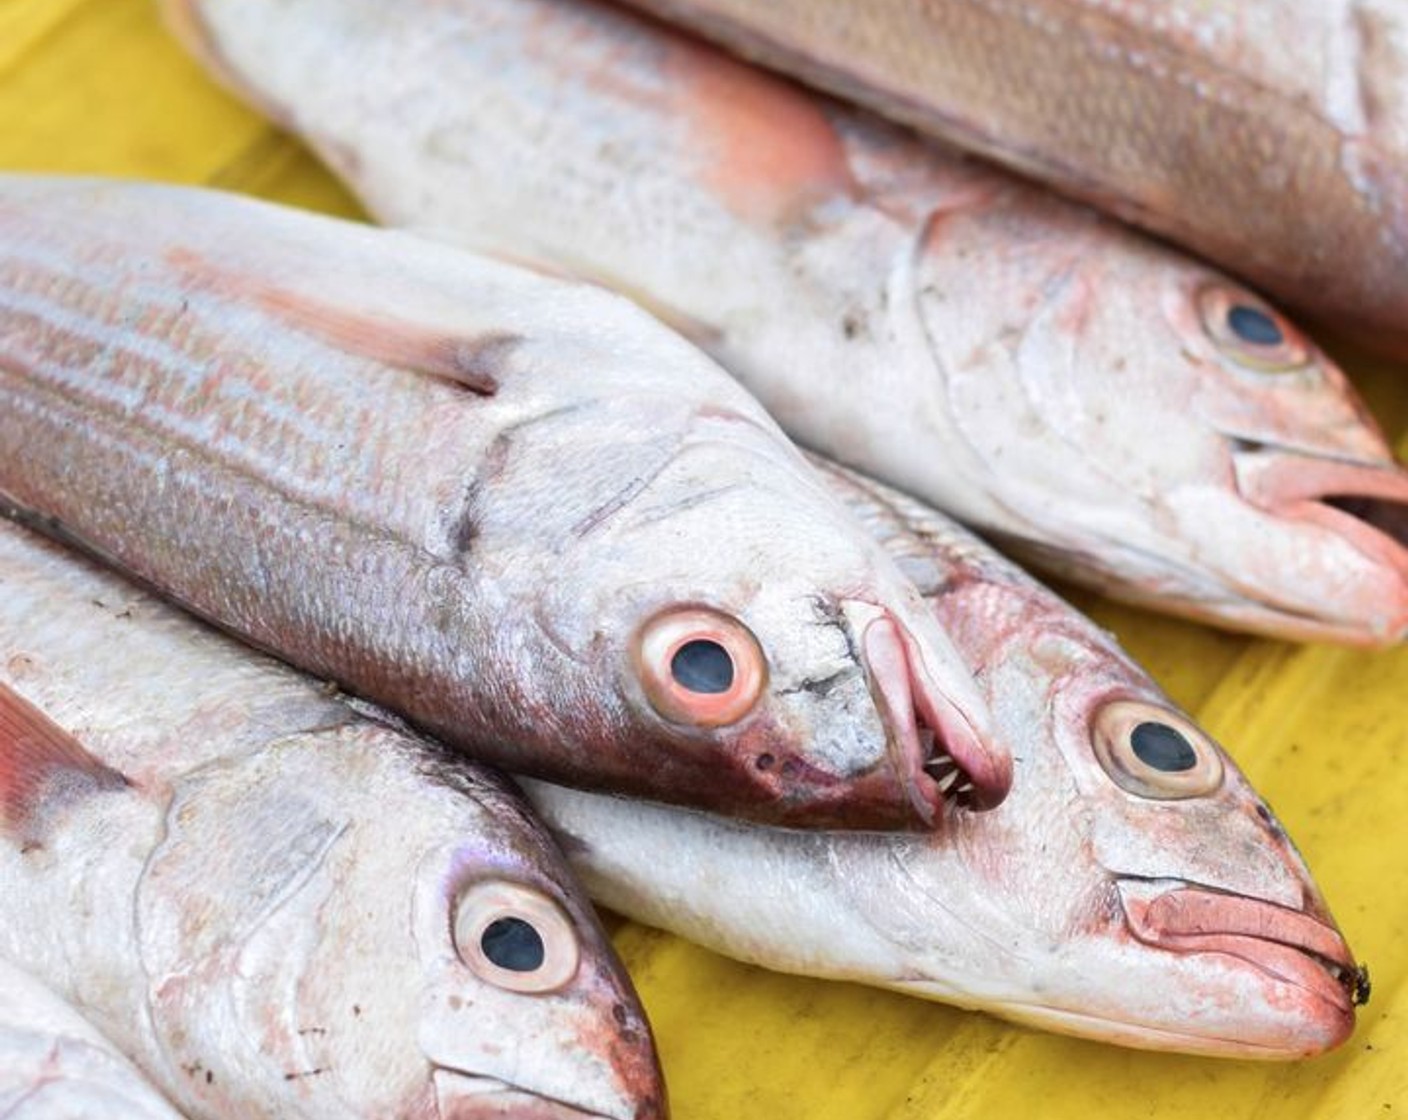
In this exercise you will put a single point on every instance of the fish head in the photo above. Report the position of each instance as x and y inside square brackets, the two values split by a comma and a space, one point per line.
[1208, 458]
[1133, 887]
[768, 654]
[354, 918]
[511, 944]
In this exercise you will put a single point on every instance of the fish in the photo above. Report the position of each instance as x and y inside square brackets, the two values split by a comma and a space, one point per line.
[274, 904]
[55, 1066]
[1266, 136]
[512, 509]
[1104, 407]
[1133, 887]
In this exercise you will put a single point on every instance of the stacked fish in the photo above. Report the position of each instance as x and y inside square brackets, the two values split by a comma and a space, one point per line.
[761, 700]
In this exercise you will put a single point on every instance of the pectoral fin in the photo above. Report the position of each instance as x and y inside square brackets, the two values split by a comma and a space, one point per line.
[41, 765]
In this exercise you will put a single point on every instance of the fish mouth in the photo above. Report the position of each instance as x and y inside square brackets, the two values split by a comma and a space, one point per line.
[1364, 503]
[469, 1096]
[1289, 946]
[940, 756]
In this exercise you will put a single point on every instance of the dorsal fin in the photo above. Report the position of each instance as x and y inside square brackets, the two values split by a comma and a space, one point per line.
[39, 760]
[467, 359]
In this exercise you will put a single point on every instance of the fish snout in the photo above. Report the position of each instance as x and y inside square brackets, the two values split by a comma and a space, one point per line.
[1293, 950]
[935, 723]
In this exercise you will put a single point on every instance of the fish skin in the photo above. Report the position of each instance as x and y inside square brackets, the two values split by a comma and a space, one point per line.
[55, 1066]
[1076, 906]
[219, 396]
[1265, 136]
[1009, 348]
[268, 904]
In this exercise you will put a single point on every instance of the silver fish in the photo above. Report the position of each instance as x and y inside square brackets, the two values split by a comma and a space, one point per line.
[55, 1066]
[276, 907]
[1133, 887]
[515, 510]
[1267, 135]
[1111, 410]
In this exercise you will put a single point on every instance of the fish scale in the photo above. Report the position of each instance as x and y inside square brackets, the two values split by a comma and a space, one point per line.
[265, 894]
[368, 479]
[984, 345]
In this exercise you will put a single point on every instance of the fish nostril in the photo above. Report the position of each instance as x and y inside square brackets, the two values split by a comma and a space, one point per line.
[1243, 446]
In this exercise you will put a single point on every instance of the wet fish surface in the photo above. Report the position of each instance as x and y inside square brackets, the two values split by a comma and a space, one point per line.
[55, 1066]
[1104, 406]
[513, 509]
[277, 907]
[1133, 887]
[1269, 136]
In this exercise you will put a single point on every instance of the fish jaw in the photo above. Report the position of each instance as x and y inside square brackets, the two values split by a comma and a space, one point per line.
[934, 747]
[464, 1096]
[1310, 979]
[1364, 505]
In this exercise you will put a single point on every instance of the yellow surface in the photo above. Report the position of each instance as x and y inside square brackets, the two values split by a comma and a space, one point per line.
[95, 86]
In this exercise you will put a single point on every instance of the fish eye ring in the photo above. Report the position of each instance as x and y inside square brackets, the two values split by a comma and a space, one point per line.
[515, 937]
[1151, 752]
[1249, 333]
[699, 666]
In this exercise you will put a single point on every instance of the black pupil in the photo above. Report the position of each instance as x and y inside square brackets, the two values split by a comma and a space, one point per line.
[1254, 326]
[513, 944]
[702, 666]
[1163, 748]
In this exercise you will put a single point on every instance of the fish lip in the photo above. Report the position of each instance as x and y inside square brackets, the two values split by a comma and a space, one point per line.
[1299, 485]
[460, 1093]
[944, 761]
[1288, 945]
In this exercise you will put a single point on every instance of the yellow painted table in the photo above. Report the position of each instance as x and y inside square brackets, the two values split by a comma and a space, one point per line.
[94, 86]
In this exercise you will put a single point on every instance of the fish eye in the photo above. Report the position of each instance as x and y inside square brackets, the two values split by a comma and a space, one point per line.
[515, 937]
[1151, 752]
[1251, 334]
[700, 667]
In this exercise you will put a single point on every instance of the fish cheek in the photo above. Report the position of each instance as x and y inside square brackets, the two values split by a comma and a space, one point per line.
[230, 912]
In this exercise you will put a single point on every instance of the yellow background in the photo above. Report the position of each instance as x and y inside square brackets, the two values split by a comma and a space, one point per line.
[94, 86]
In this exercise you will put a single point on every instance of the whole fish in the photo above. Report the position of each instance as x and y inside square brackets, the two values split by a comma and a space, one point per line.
[1270, 136]
[515, 510]
[277, 907]
[1108, 408]
[1132, 888]
[55, 1066]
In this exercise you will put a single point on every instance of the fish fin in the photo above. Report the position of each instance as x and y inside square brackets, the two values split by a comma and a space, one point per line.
[470, 362]
[473, 361]
[37, 758]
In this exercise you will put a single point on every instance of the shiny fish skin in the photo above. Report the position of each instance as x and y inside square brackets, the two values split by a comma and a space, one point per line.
[942, 326]
[1269, 136]
[221, 397]
[55, 1066]
[1076, 906]
[269, 887]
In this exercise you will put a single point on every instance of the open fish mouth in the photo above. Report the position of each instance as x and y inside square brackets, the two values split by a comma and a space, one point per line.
[939, 755]
[469, 1096]
[1365, 502]
[1289, 946]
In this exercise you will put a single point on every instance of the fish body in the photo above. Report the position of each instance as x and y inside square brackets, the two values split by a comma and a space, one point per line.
[1132, 888]
[1268, 136]
[1054, 379]
[274, 906]
[515, 510]
[55, 1066]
